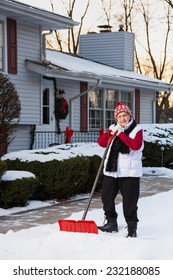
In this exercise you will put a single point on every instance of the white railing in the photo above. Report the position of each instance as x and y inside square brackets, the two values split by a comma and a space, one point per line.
[45, 139]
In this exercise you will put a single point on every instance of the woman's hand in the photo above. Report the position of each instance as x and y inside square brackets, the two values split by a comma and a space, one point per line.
[116, 129]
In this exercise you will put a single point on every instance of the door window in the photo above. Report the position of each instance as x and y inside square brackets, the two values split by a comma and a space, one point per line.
[46, 106]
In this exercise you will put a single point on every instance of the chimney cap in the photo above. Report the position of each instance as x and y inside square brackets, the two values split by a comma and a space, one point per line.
[105, 28]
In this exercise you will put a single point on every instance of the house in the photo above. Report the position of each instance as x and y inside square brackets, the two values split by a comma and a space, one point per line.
[22, 35]
[91, 83]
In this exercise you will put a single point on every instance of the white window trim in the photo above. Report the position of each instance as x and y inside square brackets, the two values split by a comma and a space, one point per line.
[4, 19]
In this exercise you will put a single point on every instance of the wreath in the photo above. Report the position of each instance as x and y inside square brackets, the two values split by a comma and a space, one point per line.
[61, 108]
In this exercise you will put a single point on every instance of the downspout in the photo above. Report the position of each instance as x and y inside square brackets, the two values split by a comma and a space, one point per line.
[44, 45]
[77, 96]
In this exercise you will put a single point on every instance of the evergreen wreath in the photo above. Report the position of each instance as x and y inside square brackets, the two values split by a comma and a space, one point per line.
[61, 108]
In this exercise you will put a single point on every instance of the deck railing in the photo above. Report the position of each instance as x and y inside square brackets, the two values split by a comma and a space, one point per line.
[45, 139]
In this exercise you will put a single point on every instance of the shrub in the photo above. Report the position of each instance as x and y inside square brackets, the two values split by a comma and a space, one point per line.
[9, 113]
[58, 179]
[3, 168]
[17, 192]
[93, 170]
[153, 155]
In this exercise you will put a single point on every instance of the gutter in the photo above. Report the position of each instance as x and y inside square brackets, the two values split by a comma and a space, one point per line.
[51, 70]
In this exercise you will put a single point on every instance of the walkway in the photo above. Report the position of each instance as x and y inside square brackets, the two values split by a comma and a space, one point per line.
[31, 218]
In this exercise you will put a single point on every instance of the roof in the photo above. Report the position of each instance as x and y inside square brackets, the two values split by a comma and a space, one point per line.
[63, 65]
[26, 13]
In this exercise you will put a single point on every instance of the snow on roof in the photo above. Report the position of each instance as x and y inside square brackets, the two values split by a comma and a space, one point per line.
[76, 64]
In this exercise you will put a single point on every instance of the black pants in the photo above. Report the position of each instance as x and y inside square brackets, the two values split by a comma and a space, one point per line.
[129, 189]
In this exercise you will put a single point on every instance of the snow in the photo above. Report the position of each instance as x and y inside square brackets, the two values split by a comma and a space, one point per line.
[11, 175]
[95, 69]
[47, 242]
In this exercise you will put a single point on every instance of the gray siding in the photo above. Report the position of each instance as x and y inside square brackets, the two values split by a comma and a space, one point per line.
[112, 48]
[26, 82]
[22, 140]
[146, 106]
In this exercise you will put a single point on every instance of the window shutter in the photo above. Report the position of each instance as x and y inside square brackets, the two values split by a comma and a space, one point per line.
[137, 105]
[83, 107]
[12, 45]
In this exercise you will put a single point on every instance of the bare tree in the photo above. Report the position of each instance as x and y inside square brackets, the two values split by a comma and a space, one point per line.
[170, 3]
[9, 112]
[107, 7]
[154, 68]
[74, 33]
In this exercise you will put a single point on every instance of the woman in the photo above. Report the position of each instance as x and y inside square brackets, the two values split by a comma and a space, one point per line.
[122, 169]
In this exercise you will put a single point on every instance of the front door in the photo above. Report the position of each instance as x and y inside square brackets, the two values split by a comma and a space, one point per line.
[47, 107]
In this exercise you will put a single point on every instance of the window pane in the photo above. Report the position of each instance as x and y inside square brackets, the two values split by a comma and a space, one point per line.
[111, 99]
[126, 97]
[46, 97]
[45, 115]
[95, 119]
[95, 99]
[109, 118]
[46, 109]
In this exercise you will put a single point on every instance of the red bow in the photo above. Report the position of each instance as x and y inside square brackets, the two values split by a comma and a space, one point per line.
[68, 135]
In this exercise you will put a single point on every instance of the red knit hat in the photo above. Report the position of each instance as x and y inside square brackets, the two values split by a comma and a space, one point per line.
[121, 107]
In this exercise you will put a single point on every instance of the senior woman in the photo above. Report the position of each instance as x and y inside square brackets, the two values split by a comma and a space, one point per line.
[122, 169]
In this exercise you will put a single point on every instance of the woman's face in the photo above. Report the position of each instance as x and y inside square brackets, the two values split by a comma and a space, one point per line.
[123, 119]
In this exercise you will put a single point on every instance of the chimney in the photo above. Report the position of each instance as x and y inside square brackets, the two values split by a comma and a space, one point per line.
[115, 49]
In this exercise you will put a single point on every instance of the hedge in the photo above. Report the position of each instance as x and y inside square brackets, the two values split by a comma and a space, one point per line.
[60, 179]
[17, 192]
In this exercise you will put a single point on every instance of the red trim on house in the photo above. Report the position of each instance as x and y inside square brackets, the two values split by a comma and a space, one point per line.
[83, 107]
[12, 45]
[137, 105]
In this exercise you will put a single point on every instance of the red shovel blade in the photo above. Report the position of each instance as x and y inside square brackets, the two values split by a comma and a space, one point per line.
[78, 226]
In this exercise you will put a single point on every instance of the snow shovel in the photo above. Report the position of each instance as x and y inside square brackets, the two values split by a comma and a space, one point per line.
[82, 225]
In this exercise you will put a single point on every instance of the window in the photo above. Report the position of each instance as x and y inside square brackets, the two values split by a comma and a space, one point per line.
[110, 101]
[1, 45]
[95, 109]
[46, 106]
[102, 103]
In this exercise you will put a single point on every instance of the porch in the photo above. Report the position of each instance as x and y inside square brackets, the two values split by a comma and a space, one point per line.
[45, 139]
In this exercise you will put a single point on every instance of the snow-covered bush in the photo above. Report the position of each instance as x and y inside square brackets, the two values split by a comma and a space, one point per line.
[16, 189]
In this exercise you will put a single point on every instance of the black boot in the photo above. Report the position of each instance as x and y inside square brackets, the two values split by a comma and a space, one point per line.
[110, 226]
[132, 227]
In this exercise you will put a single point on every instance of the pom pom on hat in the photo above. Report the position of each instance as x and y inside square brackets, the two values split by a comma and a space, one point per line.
[121, 107]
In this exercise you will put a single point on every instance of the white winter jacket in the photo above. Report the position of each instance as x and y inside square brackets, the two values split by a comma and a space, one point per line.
[128, 165]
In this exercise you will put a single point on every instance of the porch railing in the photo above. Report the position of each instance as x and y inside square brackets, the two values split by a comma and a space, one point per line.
[45, 139]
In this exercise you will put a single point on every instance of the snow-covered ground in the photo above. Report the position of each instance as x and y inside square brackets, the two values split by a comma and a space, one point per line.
[155, 229]
[47, 243]
[154, 242]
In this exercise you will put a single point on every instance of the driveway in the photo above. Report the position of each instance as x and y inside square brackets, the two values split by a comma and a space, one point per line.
[150, 185]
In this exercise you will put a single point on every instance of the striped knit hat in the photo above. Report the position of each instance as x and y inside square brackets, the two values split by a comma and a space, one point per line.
[121, 107]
